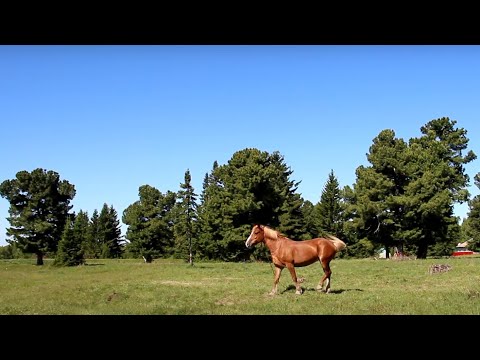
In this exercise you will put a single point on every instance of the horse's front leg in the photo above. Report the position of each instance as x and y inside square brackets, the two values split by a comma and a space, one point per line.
[298, 288]
[276, 279]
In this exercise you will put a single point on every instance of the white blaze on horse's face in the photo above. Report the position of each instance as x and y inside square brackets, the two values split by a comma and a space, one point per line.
[255, 236]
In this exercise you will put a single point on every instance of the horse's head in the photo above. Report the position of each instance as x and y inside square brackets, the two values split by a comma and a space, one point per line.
[256, 235]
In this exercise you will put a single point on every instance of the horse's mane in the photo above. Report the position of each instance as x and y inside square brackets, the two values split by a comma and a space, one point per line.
[273, 234]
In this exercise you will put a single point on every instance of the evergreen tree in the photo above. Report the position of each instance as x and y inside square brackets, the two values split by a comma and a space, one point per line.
[117, 242]
[92, 247]
[437, 181]
[150, 223]
[70, 252]
[471, 225]
[210, 235]
[81, 229]
[329, 209]
[406, 198]
[359, 246]
[185, 223]
[290, 219]
[308, 213]
[253, 187]
[375, 207]
[110, 239]
[39, 207]
[112, 235]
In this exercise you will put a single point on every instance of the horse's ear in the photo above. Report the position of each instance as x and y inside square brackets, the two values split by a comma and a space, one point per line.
[261, 226]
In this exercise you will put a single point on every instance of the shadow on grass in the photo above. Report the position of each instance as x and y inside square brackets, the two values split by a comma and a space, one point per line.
[332, 291]
[95, 264]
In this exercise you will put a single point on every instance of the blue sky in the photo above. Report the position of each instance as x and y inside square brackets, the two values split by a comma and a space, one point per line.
[112, 118]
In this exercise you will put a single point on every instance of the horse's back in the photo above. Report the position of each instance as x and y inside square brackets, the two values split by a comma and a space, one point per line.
[326, 248]
[308, 251]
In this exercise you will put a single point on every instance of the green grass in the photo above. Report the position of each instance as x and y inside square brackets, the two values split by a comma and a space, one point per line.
[359, 287]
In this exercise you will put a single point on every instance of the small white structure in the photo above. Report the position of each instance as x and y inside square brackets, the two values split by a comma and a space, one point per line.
[463, 245]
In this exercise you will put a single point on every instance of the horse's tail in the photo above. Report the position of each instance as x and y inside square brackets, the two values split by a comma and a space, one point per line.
[339, 244]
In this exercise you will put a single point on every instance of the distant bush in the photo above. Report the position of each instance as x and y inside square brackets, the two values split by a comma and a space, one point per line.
[12, 252]
[6, 252]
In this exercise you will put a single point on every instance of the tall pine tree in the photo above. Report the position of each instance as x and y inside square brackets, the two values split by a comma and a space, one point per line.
[210, 224]
[329, 210]
[92, 246]
[437, 181]
[70, 251]
[110, 238]
[186, 221]
[81, 230]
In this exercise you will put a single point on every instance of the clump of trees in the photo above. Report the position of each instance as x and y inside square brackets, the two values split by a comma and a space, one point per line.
[41, 221]
[39, 208]
[404, 199]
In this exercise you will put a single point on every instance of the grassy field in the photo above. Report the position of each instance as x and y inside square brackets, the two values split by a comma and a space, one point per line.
[131, 287]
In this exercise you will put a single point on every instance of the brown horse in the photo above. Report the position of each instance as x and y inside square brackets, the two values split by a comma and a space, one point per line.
[290, 254]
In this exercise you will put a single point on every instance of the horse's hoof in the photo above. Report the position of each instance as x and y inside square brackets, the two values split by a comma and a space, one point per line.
[271, 293]
[298, 292]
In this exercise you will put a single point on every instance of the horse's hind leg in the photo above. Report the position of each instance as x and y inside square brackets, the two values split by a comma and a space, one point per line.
[278, 271]
[325, 278]
[298, 288]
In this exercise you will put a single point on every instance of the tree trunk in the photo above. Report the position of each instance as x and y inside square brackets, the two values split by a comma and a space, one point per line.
[190, 259]
[422, 250]
[39, 258]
